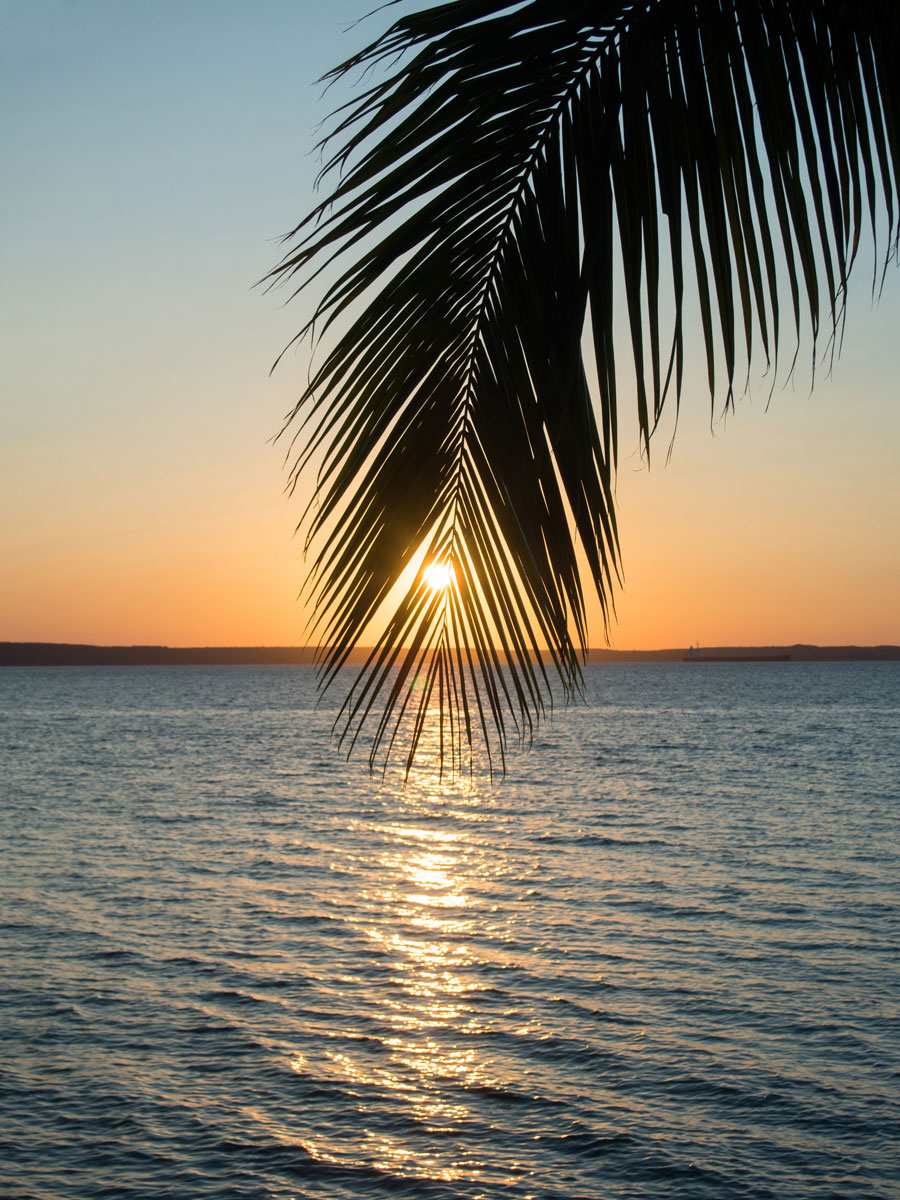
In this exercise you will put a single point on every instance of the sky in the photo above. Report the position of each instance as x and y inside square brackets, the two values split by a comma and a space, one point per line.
[153, 155]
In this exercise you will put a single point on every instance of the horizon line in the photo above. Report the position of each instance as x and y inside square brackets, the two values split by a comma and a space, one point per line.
[33, 653]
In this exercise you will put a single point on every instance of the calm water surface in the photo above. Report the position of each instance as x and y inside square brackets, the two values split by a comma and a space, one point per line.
[660, 960]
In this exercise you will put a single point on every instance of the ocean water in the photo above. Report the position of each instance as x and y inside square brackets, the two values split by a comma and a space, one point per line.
[659, 960]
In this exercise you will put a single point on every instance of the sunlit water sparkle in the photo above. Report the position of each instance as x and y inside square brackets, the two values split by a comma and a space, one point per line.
[659, 960]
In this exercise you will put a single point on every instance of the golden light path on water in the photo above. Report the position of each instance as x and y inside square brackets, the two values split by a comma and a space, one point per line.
[420, 905]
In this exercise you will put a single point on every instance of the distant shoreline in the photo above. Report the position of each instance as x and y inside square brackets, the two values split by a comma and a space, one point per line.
[66, 654]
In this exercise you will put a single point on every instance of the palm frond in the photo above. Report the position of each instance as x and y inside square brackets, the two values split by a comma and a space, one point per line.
[517, 173]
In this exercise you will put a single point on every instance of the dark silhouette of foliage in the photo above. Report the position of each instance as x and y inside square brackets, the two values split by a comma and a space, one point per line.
[515, 174]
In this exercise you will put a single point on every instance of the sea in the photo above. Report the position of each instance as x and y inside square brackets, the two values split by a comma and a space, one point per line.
[660, 959]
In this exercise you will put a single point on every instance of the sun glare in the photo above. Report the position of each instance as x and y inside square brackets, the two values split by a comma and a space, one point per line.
[439, 576]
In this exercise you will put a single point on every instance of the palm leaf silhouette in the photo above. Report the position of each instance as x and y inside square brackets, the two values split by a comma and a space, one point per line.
[516, 175]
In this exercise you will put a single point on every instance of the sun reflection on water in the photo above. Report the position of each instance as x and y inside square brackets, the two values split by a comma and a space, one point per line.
[420, 905]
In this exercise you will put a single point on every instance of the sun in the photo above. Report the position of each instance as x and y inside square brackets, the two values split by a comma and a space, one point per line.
[439, 576]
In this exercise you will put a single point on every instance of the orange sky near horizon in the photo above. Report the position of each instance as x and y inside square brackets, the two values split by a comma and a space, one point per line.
[153, 158]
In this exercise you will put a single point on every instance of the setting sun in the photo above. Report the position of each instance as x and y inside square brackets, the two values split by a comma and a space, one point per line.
[439, 576]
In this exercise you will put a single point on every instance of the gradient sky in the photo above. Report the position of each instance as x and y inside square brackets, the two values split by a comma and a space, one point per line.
[153, 153]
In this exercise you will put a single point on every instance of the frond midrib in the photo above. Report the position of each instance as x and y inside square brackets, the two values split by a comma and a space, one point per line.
[506, 226]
